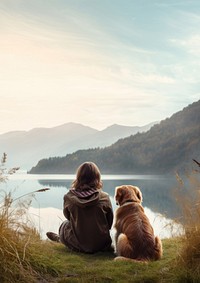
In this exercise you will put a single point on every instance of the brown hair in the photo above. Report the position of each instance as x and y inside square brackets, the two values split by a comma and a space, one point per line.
[87, 176]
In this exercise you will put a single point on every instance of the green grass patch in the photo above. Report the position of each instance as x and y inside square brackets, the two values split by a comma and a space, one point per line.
[100, 267]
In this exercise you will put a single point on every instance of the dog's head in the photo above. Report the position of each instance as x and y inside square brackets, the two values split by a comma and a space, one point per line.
[127, 193]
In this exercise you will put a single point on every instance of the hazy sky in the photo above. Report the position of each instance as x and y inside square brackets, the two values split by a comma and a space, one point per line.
[97, 62]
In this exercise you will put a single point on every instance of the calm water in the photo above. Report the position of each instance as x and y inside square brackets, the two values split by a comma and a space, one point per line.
[46, 207]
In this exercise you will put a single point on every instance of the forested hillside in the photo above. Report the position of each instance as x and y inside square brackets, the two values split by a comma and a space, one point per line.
[166, 147]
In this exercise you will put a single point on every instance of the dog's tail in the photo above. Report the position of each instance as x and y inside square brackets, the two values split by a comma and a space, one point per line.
[158, 248]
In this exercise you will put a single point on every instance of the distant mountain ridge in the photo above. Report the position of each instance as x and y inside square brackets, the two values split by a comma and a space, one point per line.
[26, 148]
[167, 147]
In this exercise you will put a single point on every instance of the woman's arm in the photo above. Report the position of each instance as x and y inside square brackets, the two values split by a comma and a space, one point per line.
[66, 207]
[109, 214]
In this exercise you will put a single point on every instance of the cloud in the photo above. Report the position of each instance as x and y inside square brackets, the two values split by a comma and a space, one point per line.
[95, 63]
[191, 45]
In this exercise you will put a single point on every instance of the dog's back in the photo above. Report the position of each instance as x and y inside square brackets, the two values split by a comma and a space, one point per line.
[135, 236]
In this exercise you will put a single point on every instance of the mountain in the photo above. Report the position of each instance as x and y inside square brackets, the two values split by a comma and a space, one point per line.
[26, 148]
[166, 147]
[112, 134]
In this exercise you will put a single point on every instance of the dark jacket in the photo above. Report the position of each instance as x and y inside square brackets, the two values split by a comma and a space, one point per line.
[89, 222]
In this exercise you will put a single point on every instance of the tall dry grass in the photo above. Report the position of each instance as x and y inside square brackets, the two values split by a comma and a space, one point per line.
[19, 240]
[190, 206]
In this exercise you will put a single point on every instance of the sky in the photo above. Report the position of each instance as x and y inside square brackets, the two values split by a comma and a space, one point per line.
[97, 62]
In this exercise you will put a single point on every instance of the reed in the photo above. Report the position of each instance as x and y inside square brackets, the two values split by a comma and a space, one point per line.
[189, 256]
[19, 240]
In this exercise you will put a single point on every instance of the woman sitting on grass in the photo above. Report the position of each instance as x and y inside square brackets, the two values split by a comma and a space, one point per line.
[89, 213]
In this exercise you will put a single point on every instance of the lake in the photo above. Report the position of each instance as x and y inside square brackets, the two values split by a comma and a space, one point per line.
[46, 207]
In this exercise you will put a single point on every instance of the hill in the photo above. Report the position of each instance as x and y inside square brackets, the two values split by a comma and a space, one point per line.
[26, 148]
[166, 147]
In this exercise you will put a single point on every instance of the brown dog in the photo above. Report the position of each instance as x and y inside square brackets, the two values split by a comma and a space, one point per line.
[134, 234]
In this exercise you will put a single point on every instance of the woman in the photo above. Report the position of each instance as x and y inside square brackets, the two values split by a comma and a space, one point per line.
[88, 211]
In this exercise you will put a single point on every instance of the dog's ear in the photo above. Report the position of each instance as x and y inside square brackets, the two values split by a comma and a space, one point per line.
[138, 194]
[119, 193]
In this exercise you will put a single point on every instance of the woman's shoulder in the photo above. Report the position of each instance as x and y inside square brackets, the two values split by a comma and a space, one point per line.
[68, 194]
[103, 194]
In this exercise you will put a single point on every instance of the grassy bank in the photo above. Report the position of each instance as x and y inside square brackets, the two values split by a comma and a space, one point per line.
[100, 267]
[52, 262]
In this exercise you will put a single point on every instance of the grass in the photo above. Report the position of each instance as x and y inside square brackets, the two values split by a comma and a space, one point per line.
[24, 257]
[52, 262]
[100, 267]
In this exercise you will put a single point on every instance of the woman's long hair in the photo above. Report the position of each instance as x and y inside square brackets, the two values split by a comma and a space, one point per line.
[87, 176]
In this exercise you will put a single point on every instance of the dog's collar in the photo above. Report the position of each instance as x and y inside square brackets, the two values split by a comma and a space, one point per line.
[128, 201]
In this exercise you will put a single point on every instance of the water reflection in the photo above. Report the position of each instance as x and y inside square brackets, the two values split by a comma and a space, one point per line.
[49, 219]
[46, 209]
[158, 196]
[158, 193]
